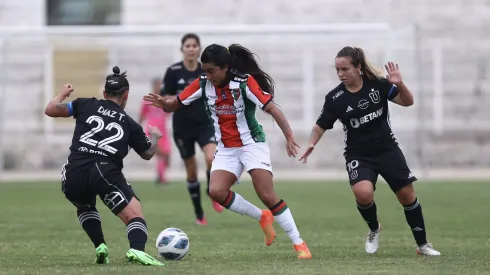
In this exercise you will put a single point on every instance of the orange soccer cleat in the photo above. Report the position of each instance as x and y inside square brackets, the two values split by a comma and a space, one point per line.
[266, 223]
[303, 251]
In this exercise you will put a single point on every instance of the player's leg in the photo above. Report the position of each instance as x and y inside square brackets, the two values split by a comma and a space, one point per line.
[162, 150]
[92, 224]
[187, 153]
[256, 159]
[207, 142]
[362, 179]
[137, 232]
[194, 188]
[161, 166]
[75, 188]
[163, 159]
[226, 171]
[394, 169]
[118, 196]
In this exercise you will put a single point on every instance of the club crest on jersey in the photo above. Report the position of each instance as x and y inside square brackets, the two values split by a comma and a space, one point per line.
[363, 104]
[374, 95]
[236, 94]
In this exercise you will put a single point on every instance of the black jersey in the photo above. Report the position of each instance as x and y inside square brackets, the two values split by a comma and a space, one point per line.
[364, 115]
[187, 120]
[103, 130]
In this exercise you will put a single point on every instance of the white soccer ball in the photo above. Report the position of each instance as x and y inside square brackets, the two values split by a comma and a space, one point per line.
[172, 244]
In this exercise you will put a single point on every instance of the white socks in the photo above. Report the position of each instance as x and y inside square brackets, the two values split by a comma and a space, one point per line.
[238, 204]
[285, 219]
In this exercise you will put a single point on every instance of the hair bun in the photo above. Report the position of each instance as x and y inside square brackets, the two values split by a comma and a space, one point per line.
[116, 70]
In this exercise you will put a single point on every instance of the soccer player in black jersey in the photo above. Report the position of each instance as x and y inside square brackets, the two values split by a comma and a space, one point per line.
[360, 102]
[191, 123]
[101, 139]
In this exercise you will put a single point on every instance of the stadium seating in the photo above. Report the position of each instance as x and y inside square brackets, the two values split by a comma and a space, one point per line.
[466, 79]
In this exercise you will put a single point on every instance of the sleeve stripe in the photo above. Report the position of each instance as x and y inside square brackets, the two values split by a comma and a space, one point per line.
[187, 98]
[258, 96]
[267, 103]
[191, 92]
[393, 87]
[70, 108]
[256, 91]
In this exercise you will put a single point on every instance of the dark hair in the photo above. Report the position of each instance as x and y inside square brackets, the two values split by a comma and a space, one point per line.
[188, 36]
[239, 60]
[116, 84]
[358, 57]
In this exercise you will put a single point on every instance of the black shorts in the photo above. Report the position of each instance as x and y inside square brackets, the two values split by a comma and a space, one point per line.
[102, 178]
[186, 143]
[390, 164]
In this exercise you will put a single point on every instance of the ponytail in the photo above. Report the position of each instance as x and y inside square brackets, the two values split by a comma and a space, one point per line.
[243, 61]
[359, 58]
[239, 60]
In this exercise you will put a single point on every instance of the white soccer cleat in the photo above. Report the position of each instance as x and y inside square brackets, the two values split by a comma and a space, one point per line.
[372, 241]
[427, 250]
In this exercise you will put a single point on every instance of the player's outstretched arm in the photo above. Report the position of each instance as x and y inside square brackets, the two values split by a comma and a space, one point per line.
[315, 136]
[168, 103]
[56, 108]
[281, 120]
[155, 135]
[405, 97]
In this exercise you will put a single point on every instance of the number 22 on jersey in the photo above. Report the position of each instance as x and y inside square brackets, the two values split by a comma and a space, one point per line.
[100, 126]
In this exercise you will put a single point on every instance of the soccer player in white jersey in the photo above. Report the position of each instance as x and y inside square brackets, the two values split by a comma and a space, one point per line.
[233, 86]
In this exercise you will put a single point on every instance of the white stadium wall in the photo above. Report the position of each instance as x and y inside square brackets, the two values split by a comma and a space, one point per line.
[442, 47]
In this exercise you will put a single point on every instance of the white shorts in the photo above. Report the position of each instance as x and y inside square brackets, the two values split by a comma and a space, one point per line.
[248, 157]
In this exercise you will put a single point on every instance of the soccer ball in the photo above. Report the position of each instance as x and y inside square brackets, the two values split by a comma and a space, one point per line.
[172, 244]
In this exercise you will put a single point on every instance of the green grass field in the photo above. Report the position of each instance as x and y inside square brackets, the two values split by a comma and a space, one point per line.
[40, 233]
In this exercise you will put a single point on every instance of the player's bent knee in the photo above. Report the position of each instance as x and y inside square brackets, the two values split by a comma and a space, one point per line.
[218, 193]
[131, 211]
[220, 184]
[363, 191]
[406, 195]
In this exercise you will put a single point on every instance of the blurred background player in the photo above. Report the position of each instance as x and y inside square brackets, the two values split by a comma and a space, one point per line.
[233, 87]
[360, 102]
[156, 117]
[101, 140]
[191, 124]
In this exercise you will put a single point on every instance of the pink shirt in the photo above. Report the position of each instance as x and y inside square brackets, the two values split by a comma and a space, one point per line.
[154, 116]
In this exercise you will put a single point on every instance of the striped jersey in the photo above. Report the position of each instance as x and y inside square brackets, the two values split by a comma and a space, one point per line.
[231, 108]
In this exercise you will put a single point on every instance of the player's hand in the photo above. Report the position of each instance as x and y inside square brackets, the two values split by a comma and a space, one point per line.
[154, 131]
[308, 151]
[394, 76]
[291, 146]
[67, 90]
[155, 100]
